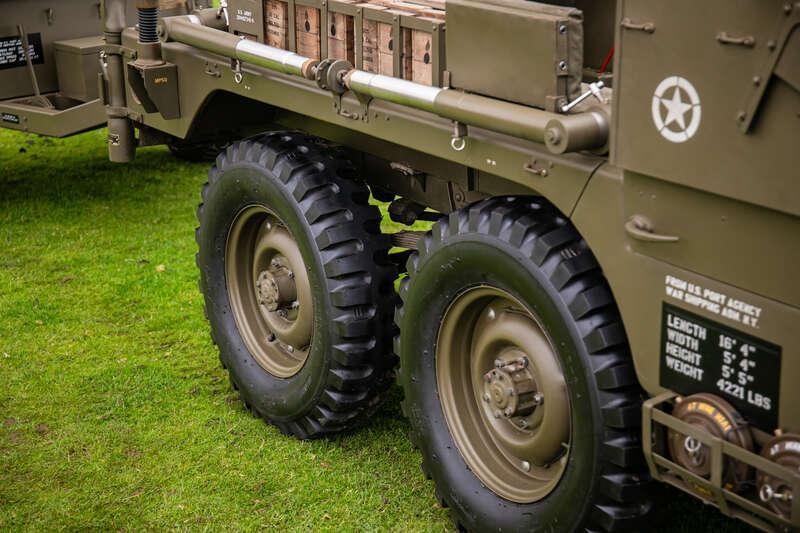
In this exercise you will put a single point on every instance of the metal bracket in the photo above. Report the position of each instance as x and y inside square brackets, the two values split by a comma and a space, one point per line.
[236, 67]
[458, 141]
[536, 169]
[772, 54]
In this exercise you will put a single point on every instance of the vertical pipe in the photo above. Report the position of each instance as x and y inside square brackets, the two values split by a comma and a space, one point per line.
[121, 138]
[149, 42]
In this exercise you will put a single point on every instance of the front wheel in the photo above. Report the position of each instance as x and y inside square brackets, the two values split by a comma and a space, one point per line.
[518, 381]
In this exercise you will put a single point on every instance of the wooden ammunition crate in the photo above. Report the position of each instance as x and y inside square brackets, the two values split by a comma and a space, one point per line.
[390, 37]
[402, 44]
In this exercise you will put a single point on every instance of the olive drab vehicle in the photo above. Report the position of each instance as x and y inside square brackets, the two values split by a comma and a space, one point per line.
[608, 297]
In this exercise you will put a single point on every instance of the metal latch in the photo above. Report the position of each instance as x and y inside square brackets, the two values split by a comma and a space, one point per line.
[594, 90]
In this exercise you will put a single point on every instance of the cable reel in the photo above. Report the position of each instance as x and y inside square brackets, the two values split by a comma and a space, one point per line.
[718, 418]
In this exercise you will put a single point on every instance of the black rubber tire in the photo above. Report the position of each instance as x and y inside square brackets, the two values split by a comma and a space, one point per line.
[523, 245]
[196, 151]
[311, 187]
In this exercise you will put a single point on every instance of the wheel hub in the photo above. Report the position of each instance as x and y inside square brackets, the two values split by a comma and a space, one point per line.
[275, 287]
[510, 388]
[269, 291]
[503, 394]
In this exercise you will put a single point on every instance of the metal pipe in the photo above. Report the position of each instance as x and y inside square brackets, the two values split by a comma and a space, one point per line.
[234, 47]
[560, 133]
[121, 137]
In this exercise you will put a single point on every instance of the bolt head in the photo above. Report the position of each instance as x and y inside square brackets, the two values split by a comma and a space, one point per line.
[497, 414]
[271, 337]
[526, 466]
[498, 363]
[290, 348]
[486, 397]
[490, 314]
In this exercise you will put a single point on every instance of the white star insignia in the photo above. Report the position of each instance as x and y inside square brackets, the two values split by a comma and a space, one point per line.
[676, 109]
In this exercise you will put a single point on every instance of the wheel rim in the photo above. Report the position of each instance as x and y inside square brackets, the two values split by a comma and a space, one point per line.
[269, 291]
[503, 394]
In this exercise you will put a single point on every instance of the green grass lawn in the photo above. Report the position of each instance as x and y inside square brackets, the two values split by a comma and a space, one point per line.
[114, 411]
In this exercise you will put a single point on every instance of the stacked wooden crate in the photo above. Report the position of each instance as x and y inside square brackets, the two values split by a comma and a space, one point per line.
[391, 37]
[307, 28]
[276, 13]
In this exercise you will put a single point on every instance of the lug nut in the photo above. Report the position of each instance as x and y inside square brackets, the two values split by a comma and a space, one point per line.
[270, 337]
[498, 363]
[538, 398]
[290, 348]
[486, 398]
[526, 466]
[497, 414]
[491, 314]
[508, 412]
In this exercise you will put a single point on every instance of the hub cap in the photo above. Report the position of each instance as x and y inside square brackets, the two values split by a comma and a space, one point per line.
[269, 291]
[503, 394]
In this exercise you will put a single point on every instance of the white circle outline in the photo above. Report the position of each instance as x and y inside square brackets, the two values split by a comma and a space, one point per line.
[694, 99]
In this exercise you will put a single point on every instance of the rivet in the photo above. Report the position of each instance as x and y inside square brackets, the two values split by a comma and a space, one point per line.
[562, 65]
[562, 29]
[756, 80]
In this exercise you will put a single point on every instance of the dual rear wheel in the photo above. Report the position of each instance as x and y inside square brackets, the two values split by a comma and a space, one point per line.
[518, 384]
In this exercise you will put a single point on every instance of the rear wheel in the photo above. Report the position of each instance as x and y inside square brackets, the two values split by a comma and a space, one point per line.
[517, 377]
[297, 283]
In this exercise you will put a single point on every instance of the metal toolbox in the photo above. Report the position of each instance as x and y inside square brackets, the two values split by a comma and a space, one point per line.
[523, 52]
[78, 64]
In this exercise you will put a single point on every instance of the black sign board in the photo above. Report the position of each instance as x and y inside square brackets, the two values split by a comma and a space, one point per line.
[12, 54]
[700, 355]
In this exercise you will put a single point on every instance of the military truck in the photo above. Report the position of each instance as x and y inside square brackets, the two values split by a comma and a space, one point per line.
[609, 295]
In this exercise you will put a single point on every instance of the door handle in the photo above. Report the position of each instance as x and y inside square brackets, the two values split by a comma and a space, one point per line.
[641, 228]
